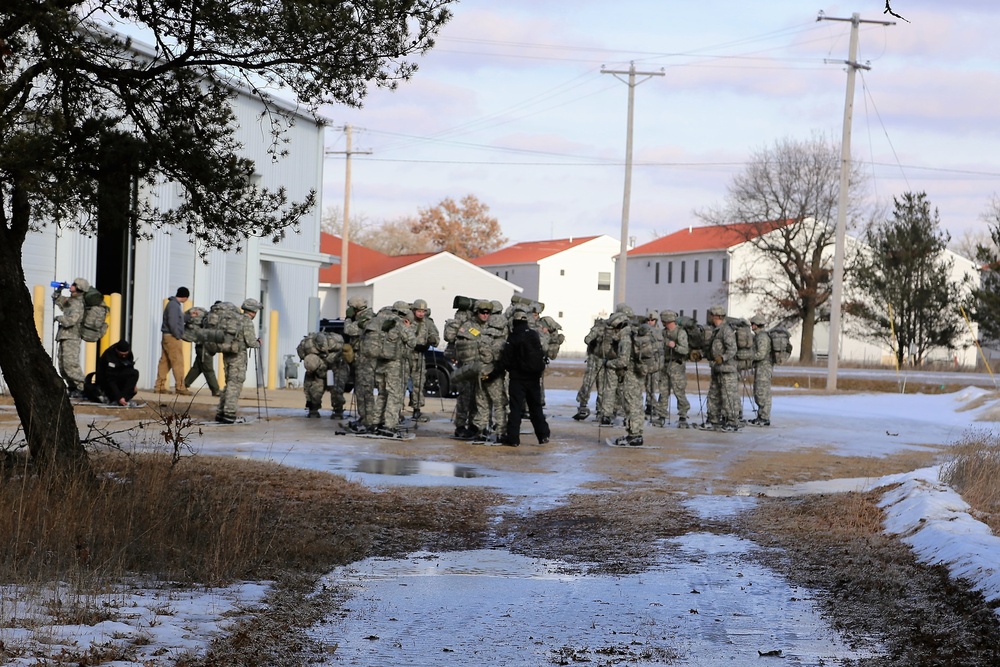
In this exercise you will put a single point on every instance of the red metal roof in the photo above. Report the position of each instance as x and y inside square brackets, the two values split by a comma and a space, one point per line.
[530, 252]
[711, 237]
[362, 263]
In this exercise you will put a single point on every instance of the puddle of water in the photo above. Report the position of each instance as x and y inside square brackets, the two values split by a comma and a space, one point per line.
[407, 468]
[707, 604]
[808, 488]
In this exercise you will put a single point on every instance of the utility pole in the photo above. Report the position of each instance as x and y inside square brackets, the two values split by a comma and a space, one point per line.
[837, 295]
[627, 198]
[345, 230]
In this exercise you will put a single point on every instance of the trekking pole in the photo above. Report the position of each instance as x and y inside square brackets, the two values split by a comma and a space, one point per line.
[701, 403]
[260, 381]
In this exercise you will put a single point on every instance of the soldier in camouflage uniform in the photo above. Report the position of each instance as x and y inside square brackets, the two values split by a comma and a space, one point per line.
[653, 379]
[357, 317]
[673, 375]
[426, 336]
[491, 387]
[552, 339]
[463, 350]
[724, 389]
[763, 371]
[388, 340]
[68, 337]
[592, 370]
[626, 379]
[235, 364]
[319, 351]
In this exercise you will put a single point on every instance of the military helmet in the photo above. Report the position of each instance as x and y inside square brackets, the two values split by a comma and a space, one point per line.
[618, 320]
[419, 304]
[551, 324]
[252, 305]
[668, 316]
[82, 284]
[519, 316]
[484, 304]
[357, 302]
[758, 320]
[716, 311]
[652, 315]
[497, 306]
[624, 308]
[403, 308]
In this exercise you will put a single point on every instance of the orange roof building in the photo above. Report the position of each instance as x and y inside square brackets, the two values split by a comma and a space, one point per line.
[383, 279]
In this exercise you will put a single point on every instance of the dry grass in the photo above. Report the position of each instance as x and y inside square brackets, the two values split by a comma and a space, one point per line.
[974, 471]
[214, 520]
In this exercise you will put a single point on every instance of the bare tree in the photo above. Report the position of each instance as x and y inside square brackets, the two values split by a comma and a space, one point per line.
[396, 237]
[333, 223]
[785, 205]
[967, 245]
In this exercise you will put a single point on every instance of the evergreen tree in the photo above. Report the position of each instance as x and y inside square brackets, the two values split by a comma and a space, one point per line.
[902, 289]
[984, 302]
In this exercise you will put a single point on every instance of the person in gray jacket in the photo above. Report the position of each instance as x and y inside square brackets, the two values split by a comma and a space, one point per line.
[172, 357]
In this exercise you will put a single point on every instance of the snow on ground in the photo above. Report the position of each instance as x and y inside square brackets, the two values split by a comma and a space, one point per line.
[704, 596]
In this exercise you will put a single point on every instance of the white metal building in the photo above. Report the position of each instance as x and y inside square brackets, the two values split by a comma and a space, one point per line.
[145, 272]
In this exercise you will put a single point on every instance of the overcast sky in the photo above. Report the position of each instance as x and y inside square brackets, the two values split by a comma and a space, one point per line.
[511, 106]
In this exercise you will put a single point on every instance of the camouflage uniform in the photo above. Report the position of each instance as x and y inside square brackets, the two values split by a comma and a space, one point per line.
[319, 352]
[653, 379]
[763, 372]
[552, 339]
[358, 317]
[590, 373]
[491, 389]
[388, 340]
[426, 336]
[463, 350]
[68, 336]
[673, 375]
[723, 389]
[235, 364]
[624, 373]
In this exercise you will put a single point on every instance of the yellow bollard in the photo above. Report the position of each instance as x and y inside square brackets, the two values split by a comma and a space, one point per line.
[188, 347]
[39, 304]
[272, 352]
[115, 321]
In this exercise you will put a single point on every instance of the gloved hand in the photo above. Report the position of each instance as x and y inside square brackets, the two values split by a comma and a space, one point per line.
[696, 356]
[718, 360]
[388, 325]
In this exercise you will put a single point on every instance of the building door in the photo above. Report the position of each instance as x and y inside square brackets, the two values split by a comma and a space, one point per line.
[117, 193]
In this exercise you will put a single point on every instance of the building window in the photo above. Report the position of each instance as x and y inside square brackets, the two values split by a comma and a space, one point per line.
[670, 272]
[681, 313]
[725, 269]
[696, 270]
[604, 281]
[683, 270]
[709, 270]
[656, 279]
[560, 314]
[562, 272]
[694, 314]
